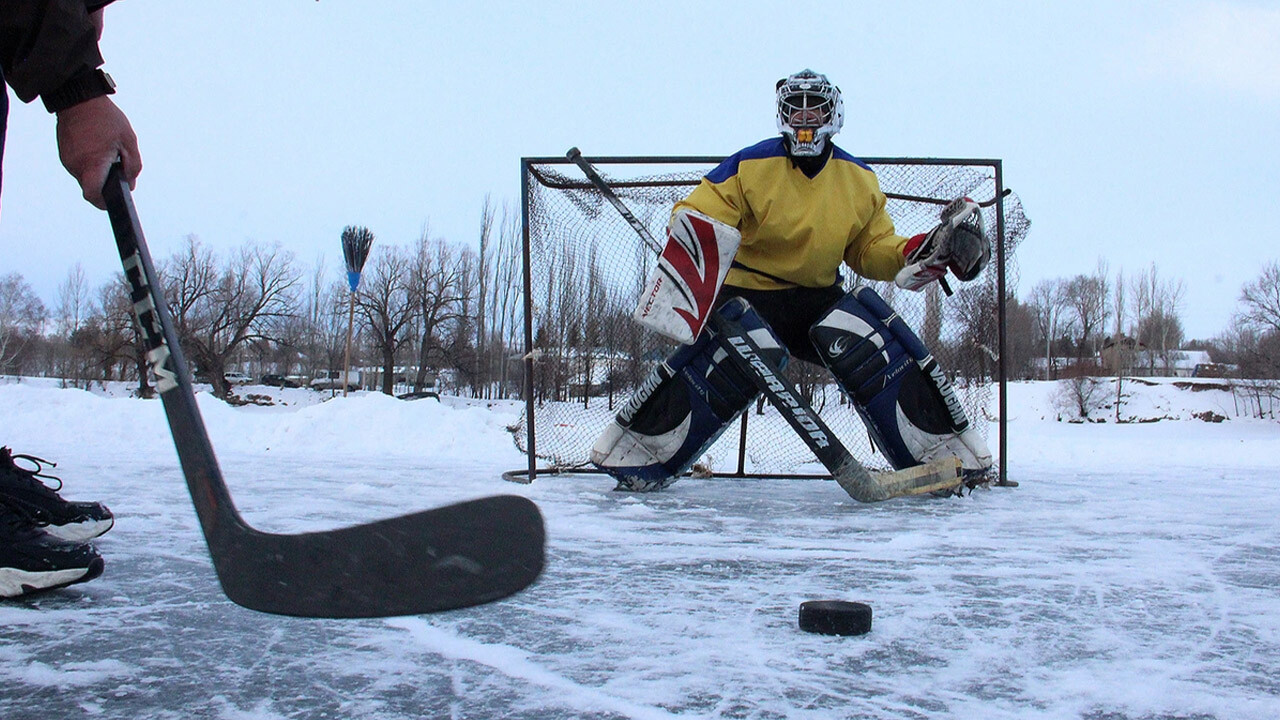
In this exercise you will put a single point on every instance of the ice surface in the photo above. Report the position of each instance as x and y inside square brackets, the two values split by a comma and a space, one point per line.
[1135, 574]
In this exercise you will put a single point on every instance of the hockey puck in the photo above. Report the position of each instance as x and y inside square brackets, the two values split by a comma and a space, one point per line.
[835, 617]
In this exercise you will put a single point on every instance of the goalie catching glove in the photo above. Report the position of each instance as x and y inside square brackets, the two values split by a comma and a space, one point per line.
[958, 243]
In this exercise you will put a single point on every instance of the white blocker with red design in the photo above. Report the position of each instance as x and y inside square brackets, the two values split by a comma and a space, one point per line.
[682, 289]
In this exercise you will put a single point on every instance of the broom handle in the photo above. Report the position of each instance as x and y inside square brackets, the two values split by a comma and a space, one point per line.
[346, 361]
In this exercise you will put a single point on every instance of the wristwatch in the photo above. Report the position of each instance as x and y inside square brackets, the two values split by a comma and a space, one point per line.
[85, 85]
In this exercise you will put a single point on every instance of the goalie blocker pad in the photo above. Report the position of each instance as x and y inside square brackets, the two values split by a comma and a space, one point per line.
[907, 403]
[682, 407]
[682, 288]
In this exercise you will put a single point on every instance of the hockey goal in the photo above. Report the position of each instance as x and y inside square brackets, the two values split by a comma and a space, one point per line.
[584, 268]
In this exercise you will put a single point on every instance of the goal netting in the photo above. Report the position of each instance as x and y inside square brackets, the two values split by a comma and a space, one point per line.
[585, 268]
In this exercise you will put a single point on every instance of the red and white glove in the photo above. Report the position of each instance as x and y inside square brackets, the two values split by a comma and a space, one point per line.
[958, 243]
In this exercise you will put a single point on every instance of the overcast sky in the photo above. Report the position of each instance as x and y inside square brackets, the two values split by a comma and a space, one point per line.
[1135, 132]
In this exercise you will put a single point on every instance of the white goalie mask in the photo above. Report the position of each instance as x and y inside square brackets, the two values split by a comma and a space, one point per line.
[810, 111]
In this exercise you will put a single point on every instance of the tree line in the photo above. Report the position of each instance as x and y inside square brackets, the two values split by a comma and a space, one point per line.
[441, 309]
[1139, 318]
[435, 309]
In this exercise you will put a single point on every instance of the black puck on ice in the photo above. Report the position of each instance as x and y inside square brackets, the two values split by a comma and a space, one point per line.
[835, 617]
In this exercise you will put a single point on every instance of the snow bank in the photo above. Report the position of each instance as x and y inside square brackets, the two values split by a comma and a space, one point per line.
[38, 412]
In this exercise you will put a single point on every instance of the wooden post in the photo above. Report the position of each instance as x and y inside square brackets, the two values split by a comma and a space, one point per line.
[346, 361]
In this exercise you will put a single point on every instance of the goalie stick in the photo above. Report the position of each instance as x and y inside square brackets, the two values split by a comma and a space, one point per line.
[941, 474]
[845, 469]
[449, 557]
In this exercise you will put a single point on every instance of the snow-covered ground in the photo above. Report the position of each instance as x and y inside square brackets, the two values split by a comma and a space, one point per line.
[1134, 574]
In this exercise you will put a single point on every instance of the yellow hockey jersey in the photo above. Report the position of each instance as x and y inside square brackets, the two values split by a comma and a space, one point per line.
[796, 228]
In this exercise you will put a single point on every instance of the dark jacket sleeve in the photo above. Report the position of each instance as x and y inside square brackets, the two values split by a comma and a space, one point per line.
[43, 43]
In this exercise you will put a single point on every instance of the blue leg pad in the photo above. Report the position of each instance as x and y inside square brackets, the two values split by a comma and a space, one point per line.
[681, 408]
[906, 401]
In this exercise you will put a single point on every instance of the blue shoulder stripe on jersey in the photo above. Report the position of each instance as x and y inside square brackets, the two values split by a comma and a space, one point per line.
[839, 154]
[772, 147]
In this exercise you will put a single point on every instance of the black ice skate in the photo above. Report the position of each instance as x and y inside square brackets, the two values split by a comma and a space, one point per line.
[24, 492]
[32, 559]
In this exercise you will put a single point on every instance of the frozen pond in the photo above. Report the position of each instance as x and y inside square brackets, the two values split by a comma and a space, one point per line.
[1126, 590]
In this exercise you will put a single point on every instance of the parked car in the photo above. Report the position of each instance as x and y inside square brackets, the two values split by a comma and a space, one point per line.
[284, 381]
[237, 378]
[332, 380]
[420, 395]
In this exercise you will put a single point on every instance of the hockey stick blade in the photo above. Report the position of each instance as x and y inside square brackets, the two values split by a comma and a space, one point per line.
[864, 486]
[450, 557]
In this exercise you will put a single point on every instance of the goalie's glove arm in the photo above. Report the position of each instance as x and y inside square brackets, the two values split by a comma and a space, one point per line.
[958, 243]
[924, 261]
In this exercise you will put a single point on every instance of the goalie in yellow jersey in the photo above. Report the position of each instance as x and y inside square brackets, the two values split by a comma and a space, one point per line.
[796, 207]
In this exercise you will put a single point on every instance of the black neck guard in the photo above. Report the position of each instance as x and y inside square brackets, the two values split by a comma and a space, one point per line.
[810, 165]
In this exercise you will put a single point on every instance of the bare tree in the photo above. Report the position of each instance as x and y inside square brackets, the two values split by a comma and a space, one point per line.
[504, 308]
[70, 315]
[109, 341]
[593, 349]
[190, 277]
[331, 327]
[324, 321]
[1119, 305]
[1048, 302]
[1252, 342]
[386, 307]
[1121, 357]
[1261, 300]
[22, 319]
[557, 319]
[1079, 395]
[218, 310]
[444, 282]
[1157, 313]
[1255, 353]
[481, 372]
[1020, 338]
[1171, 335]
[1162, 330]
[1144, 287]
[974, 308]
[73, 301]
[1086, 297]
[459, 333]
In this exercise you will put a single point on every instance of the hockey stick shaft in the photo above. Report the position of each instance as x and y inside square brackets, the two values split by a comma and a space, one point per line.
[845, 469]
[449, 557]
[164, 355]
[826, 447]
[630, 217]
[594, 176]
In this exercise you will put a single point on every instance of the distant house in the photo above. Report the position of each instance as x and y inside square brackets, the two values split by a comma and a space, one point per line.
[402, 375]
[1040, 365]
[1183, 363]
[1122, 355]
[591, 369]
[1130, 357]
